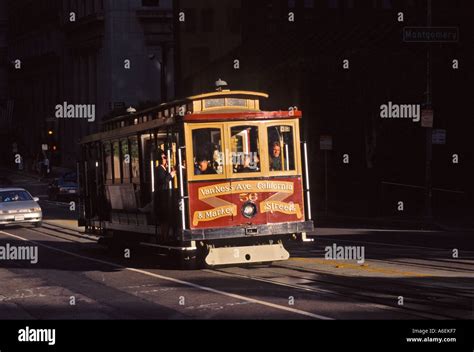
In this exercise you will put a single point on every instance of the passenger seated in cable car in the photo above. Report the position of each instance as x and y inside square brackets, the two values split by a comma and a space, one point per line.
[275, 157]
[203, 167]
[251, 163]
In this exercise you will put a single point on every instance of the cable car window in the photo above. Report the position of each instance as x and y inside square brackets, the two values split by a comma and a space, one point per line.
[125, 159]
[281, 148]
[207, 146]
[117, 166]
[108, 161]
[245, 148]
[134, 157]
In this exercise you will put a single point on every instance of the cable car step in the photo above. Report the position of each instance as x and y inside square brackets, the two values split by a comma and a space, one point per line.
[248, 254]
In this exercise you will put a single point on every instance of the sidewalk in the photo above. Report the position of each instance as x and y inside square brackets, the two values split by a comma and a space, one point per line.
[334, 220]
[56, 171]
[68, 224]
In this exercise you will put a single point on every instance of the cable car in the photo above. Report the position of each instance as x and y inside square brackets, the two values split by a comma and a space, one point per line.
[211, 177]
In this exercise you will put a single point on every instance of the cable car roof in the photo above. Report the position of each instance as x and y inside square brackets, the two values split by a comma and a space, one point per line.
[223, 103]
[247, 95]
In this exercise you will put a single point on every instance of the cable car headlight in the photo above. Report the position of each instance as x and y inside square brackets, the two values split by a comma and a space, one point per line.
[249, 210]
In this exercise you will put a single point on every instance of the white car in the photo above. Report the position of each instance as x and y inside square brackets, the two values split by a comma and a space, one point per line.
[17, 206]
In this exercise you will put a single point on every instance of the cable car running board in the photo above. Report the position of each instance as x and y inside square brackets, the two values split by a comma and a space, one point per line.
[184, 249]
[248, 254]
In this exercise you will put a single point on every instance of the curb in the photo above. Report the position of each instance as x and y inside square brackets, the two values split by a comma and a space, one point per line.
[373, 222]
[449, 228]
[24, 174]
[34, 176]
[76, 233]
[389, 223]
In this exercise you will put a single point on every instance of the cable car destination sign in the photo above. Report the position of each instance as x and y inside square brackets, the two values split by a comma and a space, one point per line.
[222, 208]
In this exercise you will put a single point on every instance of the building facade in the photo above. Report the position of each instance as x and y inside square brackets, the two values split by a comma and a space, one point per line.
[103, 54]
[339, 61]
[207, 30]
[6, 104]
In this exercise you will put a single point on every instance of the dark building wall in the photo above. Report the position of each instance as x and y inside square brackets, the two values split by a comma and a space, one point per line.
[5, 103]
[211, 29]
[301, 63]
[82, 61]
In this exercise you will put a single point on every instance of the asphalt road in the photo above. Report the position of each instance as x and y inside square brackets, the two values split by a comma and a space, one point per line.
[405, 275]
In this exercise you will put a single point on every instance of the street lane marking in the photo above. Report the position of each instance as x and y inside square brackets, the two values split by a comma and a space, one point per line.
[177, 281]
[346, 265]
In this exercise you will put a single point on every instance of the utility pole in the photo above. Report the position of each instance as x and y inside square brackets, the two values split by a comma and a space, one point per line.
[163, 71]
[177, 48]
[429, 130]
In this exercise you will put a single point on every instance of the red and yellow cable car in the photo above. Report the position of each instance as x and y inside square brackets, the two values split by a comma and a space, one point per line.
[211, 177]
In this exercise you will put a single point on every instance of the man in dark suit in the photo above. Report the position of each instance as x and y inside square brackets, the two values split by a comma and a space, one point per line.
[164, 196]
[163, 177]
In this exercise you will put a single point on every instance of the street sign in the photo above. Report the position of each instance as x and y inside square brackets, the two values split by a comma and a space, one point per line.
[44, 147]
[439, 137]
[325, 142]
[427, 118]
[431, 34]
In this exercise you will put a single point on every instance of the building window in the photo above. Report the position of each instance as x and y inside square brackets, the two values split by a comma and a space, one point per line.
[207, 20]
[150, 3]
[199, 57]
[350, 4]
[387, 4]
[190, 20]
[234, 20]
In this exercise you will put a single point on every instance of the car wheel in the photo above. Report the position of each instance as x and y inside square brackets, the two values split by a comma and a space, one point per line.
[38, 224]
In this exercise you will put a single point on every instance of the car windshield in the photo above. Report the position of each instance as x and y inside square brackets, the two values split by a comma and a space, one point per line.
[14, 196]
[69, 178]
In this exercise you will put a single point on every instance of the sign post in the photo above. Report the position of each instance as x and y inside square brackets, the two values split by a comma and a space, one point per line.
[429, 35]
[439, 137]
[429, 128]
[325, 143]
[427, 118]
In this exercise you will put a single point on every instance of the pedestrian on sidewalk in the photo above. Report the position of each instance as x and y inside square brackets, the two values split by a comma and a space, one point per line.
[47, 165]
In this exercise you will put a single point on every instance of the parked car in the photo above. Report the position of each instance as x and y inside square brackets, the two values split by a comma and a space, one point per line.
[64, 188]
[17, 206]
